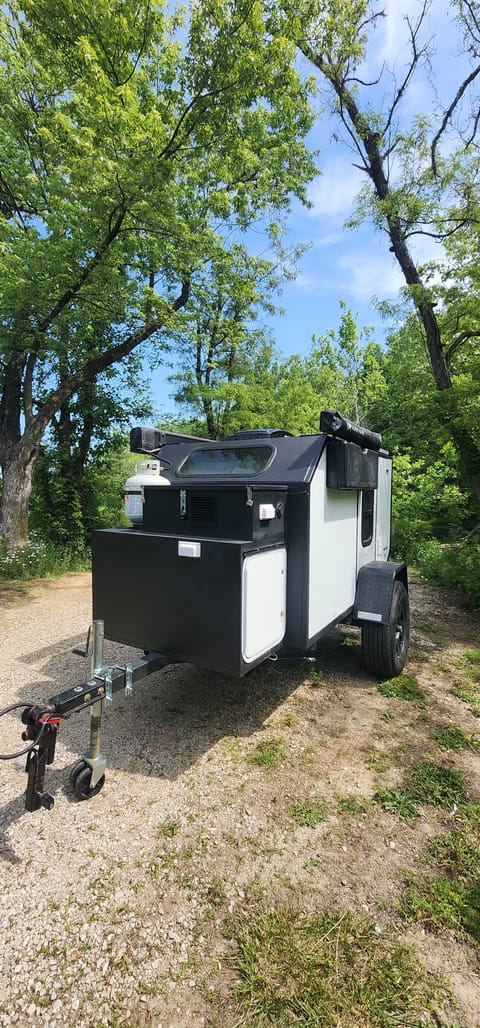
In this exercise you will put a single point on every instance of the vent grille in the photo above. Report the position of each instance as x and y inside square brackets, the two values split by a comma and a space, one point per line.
[203, 507]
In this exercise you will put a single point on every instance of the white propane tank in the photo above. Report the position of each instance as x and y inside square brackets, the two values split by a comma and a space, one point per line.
[147, 472]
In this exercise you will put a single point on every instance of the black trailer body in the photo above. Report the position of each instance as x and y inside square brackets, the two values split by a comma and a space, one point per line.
[254, 548]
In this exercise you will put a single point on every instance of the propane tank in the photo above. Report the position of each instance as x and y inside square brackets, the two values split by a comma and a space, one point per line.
[147, 472]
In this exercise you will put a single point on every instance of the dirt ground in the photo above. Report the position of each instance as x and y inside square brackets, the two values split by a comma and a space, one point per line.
[112, 910]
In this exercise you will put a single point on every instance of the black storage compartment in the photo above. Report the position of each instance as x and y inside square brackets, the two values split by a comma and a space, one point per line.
[351, 467]
[151, 598]
[217, 511]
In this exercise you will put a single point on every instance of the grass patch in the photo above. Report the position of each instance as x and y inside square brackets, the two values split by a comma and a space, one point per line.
[431, 629]
[398, 802]
[309, 813]
[350, 805]
[329, 969]
[169, 828]
[317, 678]
[269, 753]
[379, 762]
[12, 592]
[432, 783]
[448, 895]
[404, 687]
[466, 684]
[468, 693]
[439, 902]
[455, 738]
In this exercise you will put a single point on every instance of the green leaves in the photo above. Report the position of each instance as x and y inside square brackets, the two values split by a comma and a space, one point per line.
[134, 141]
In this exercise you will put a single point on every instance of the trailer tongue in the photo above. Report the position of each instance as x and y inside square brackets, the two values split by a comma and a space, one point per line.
[254, 548]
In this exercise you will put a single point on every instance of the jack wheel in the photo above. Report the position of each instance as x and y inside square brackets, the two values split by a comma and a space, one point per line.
[80, 778]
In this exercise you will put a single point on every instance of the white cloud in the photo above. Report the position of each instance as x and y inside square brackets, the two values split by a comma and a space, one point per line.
[365, 275]
[304, 282]
[390, 39]
[359, 274]
[389, 47]
[334, 192]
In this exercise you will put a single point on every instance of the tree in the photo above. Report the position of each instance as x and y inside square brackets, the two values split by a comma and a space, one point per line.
[262, 389]
[355, 362]
[218, 339]
[131, 145]
[78, 457]
[413, 187]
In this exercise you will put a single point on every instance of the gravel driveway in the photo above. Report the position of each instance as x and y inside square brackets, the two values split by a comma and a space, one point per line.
[111, 910]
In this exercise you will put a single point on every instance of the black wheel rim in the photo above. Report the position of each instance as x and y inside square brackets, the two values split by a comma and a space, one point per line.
[400, 632]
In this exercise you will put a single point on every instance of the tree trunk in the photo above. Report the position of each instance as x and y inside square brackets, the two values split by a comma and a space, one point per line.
[17, 487]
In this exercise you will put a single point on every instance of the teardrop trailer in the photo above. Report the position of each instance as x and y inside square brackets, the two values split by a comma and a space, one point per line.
[255, 548]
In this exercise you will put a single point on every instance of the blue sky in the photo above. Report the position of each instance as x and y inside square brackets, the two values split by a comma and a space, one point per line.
[353, 265]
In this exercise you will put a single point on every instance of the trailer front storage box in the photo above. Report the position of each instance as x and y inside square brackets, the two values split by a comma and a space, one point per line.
[217, 600]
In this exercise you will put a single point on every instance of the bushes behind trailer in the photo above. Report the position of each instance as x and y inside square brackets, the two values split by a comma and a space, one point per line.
[433, 523]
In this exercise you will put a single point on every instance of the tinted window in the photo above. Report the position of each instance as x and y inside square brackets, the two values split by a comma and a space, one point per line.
[368, 503]
[242, 460]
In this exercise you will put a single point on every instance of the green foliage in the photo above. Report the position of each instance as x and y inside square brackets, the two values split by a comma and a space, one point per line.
[326, 969]
[41, 560]
[440, 902]
[427, 501]
[379, 762]
[231, 374]
[405, 687]
[309, 812]
[134, 149]
[350, 805]
[469, 694]
[454, 738]
[448, 895]
[64, 510]
[433, 783]
[169, 828]
[456, 566]
[269, 753]
[398, 802]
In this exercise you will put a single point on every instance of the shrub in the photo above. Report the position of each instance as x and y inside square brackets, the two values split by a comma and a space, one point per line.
[456, 566]
[40, 560]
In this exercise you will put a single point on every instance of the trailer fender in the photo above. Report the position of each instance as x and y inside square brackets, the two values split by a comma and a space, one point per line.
[374, 592]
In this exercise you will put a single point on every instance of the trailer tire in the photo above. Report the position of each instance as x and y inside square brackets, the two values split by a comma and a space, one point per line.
[385, 647]
[80, 778]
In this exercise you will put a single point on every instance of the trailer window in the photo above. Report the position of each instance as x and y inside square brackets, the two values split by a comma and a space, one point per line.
[240, 460]
[368, 503]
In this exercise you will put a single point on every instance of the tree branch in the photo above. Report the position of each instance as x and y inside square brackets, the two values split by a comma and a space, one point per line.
[459, 341]
[448, 114]
[101, 362]
[416, 57]
[74, 289]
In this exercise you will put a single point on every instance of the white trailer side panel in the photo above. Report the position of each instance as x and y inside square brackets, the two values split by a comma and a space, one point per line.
[264, 602]
[384, 508]
[332, 551]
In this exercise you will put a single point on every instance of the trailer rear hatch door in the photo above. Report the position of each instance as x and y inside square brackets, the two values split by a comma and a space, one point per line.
[264, 586]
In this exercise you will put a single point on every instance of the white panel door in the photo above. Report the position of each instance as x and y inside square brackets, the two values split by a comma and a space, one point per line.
[264, 596]
[332, 552]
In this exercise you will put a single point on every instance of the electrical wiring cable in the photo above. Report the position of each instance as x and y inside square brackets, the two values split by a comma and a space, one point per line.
[34, 742]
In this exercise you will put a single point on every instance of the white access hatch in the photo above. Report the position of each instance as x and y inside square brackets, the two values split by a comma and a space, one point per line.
[264, 596]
